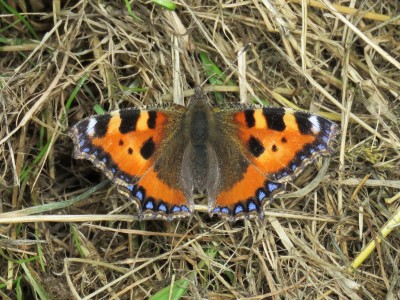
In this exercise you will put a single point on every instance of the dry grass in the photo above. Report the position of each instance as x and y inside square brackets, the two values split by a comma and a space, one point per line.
[63, 237]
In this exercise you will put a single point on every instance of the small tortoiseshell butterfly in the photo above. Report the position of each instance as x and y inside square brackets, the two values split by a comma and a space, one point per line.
[239, 156]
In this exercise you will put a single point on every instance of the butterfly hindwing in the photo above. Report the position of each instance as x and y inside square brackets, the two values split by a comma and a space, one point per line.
[129, 146]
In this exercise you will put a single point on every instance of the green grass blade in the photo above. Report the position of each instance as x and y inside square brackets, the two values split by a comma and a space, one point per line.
[166, 4]
[26, 170]
[75, 91]
[98, 109]
[33, 282]
[215, 75]
[130, 12]
[175, 292]
[21, 18]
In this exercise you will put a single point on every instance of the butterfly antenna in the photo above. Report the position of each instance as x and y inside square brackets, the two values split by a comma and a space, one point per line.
[198, 93]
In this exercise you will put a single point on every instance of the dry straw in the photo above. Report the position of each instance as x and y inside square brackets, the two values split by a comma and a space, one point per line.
[67, 234]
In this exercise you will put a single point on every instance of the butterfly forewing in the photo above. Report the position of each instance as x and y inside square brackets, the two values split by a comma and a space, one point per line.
[274, 146]
[133, 148]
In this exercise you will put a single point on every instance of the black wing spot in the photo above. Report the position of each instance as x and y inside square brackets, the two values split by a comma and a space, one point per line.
[100, 129]
[130, 151]
[250, 120]
[284, 140]
[121, 142]
[148, 148]
[255, 146]
[151, 122]
[274, 148]
[303, 122]
[129, 120]
[274, 118]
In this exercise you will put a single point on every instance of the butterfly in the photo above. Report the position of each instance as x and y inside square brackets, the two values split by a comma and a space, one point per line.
[239, 156]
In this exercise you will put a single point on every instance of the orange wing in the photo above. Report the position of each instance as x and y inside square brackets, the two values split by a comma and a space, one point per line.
[276, 144]
[126, 146]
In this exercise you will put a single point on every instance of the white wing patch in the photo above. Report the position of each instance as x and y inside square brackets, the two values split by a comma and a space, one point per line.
[91, 125]
[316, 127]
